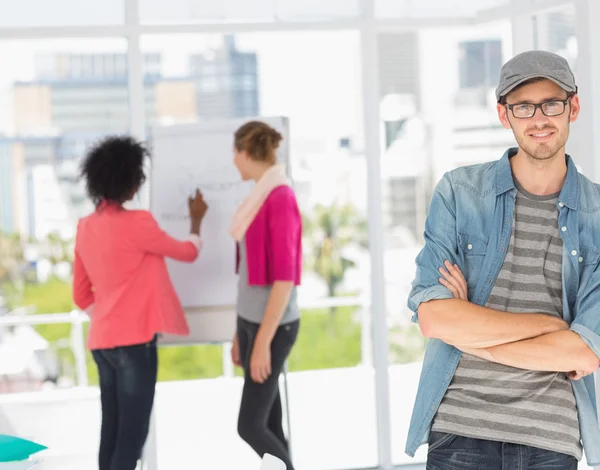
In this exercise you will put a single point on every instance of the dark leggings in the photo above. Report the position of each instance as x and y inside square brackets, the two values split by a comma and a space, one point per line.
[127, 383]
[260, 421]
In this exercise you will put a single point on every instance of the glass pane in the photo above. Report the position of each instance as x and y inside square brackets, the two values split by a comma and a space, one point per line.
[429, 127]
[291, 75]
[203, 361]
[66, 421]
[56, 97]
[317, 9]
[431, 9]
[62, 13]
[556, 33]
[184, 11]
[54, 100]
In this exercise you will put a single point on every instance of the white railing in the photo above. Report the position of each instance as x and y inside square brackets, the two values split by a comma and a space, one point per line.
[77, 319]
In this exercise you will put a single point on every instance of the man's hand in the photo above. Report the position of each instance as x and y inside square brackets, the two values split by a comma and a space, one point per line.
[578, 374]
[454, 281]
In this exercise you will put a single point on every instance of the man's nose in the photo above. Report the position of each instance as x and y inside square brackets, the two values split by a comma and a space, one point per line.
[539, 119]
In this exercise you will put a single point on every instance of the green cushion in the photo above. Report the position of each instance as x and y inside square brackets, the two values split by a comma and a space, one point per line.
[15, 449]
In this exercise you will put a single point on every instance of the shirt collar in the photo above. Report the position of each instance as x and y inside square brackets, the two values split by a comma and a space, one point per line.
[569, 194]
[109, 205]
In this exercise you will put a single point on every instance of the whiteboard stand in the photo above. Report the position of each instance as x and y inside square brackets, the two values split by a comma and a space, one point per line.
[208, 325]
[149, 460]
[287, 408]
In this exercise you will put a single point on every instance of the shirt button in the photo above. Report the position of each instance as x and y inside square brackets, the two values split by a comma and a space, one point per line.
[561, 204]
[574, 253]
[469, 246]
[580, 259]
[564, 229]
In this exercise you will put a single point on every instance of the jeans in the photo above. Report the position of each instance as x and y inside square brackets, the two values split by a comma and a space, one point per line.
[260, 421]
[450, 452]
[127, 383]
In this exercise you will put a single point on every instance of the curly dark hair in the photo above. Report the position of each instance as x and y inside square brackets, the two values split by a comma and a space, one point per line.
[113, 169]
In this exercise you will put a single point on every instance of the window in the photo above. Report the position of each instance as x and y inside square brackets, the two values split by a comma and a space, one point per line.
[209, 84]
[52, 113]
[433, 9]
[120, 65]
[72, 13]
[556, 33]
[76, 69]
[424, 133]
[65, 93]
[437, 112]
[480, 63]
[248, 82]
[163, 11]
[323, 108]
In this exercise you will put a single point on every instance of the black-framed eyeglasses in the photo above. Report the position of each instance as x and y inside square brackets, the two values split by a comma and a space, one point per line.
[528, 110]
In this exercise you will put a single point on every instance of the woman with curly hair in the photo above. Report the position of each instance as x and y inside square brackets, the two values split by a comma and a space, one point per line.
[121, 279]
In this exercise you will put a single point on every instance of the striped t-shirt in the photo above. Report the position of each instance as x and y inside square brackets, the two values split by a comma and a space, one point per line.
[490, 401]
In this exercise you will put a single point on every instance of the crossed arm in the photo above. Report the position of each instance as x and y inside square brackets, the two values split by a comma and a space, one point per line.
[527, 341]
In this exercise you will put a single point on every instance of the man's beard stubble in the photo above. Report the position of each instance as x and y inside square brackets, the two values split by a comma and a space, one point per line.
[542, 153]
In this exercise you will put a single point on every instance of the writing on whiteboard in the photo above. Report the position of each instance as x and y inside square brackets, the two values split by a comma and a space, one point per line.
[199, 156]
[215, 189]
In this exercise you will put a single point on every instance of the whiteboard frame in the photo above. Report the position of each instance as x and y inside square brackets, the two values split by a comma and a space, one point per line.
[213, 324]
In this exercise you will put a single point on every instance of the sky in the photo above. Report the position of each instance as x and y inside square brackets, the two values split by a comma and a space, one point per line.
[314, 78]
[93, 12]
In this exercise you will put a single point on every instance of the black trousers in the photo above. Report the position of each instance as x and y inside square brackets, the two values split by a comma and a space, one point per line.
[260, 421]
[127, 384]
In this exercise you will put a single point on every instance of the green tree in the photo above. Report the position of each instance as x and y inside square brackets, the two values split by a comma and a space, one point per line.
[321, 344]
[12, 268]
[329, 232]
[407, 344]
[11, 256]
[57, 249]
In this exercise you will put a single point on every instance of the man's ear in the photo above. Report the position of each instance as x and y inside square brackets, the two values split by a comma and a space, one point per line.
[575, 108]
[503, 115]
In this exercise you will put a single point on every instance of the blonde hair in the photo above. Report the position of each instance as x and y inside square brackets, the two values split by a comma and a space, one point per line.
[259, 140]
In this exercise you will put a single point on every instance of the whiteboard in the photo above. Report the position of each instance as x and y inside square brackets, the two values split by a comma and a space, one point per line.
[184, 157]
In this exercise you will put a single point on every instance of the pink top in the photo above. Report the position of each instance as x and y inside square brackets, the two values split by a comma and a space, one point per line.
[274, 240]
[120, 269]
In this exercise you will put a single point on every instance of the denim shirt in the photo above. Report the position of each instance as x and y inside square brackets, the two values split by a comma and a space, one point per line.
[470, 223]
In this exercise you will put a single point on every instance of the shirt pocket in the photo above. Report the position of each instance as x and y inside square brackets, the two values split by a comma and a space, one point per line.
[588, 256]
[587, 259]
[471, 250]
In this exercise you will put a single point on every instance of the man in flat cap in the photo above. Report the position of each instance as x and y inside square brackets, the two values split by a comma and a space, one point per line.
[507, 289]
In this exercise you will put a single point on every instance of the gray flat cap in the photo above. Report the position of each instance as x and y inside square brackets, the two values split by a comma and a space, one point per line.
[535, 64]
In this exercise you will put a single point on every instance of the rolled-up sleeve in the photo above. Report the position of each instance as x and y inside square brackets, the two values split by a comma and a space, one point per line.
[285, 232]
[441, 244]
[587, 316]
[151, 238]
[83, 294]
